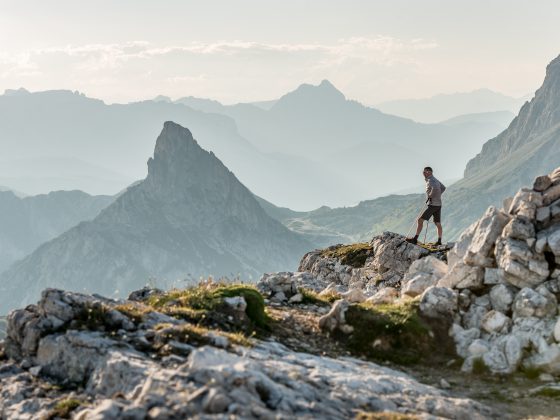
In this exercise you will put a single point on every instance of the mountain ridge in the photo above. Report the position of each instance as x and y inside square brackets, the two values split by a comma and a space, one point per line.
[190, 217]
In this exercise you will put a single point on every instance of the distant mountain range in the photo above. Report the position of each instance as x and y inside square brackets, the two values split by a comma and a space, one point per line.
[443, 107]
[361, 144]
[311, 147]
[189, 218]
[27, 222]
[529, 147]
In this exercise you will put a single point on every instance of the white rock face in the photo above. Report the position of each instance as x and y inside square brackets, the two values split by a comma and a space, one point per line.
[495, 322]
[354, 296]
[438, 302]
[501, 297]
[507, 269]
[335, 319]
[385, 295]
[488, 229]
[530, 303]
[422, 274]
[266, 380]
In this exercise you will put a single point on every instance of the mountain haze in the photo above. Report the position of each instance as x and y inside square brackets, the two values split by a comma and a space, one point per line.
[442, 107]
[359, 144]
[27, 222]
[530, 146]
[190, 217]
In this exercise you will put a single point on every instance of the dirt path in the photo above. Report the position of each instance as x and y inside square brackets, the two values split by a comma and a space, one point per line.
[297, 328]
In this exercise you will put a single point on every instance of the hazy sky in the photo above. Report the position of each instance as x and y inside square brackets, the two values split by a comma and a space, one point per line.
[250, 50]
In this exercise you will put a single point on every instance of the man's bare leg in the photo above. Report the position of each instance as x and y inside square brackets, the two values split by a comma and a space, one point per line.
[439, 232]
[419, 226]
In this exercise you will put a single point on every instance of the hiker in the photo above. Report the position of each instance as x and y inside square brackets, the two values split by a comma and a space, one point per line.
[434, 190]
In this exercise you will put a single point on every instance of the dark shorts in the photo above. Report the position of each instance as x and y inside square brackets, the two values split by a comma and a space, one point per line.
[432, 211]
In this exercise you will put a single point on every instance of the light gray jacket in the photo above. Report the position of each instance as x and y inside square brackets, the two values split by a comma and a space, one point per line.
[434, 190]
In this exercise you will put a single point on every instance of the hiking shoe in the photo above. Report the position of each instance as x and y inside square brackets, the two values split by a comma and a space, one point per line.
[412, 240]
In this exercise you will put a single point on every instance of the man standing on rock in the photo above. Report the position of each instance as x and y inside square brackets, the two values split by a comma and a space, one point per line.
[434, 190]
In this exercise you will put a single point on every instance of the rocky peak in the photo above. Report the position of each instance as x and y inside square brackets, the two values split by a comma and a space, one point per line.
[535, 118]
[322, 95]
[180, 168]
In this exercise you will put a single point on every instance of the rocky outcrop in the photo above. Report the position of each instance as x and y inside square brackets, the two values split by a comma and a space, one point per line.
[190, 218]
[505, 269]
[108, 369]
[384, 262]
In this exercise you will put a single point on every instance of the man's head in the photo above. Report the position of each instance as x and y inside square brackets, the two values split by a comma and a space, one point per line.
[428, 171]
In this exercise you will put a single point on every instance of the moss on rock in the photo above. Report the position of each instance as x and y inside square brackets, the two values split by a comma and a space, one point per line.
[354, 255]
[393, 332]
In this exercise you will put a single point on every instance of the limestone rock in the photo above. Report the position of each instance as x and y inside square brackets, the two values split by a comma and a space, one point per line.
[463, 338]
[463, 276]
[488, 229]
[542, 183]
[522, 267]
[530, 303]
[336, 319]
[501, 297]
[438, 302]
[384, 296]
[354, 296]
[459, 250]
[495, 322]
[422, 274]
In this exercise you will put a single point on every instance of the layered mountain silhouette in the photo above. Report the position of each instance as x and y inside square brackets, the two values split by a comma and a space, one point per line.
[27, 222]
[530, 146]
[360, 144]
[60, 139]
[446, 106]
[190, 217]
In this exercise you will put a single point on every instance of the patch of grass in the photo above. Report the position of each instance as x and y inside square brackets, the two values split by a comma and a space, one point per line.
[198, 335]
[549, 392]
[392, 332]
[63, 409]
[134, 310]
[354, 255]
[385, 416]
[531, 372]
[93, 316]
[479, 367]
[313, 298]
[196, 303]
[255, 302]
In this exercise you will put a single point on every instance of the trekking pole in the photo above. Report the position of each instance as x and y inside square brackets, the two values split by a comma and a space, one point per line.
[414, 222]
[426, 233]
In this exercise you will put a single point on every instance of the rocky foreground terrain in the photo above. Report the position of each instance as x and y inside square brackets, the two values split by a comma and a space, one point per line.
[475, 326]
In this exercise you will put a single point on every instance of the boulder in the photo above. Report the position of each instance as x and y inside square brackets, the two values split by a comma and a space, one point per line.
[277, 286]
[532, 303]
[439, 302]
[384, 296]
[422, 274]
[392, 252]
[335, 319]
[542, 183]
[522, 267]
[488, 229]
[354, 296]
[478, 347]
[495, 322]
[459, 250]
[463, 276]
[463, 338]
[493, 276]
[501, 297]
[519, 228]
